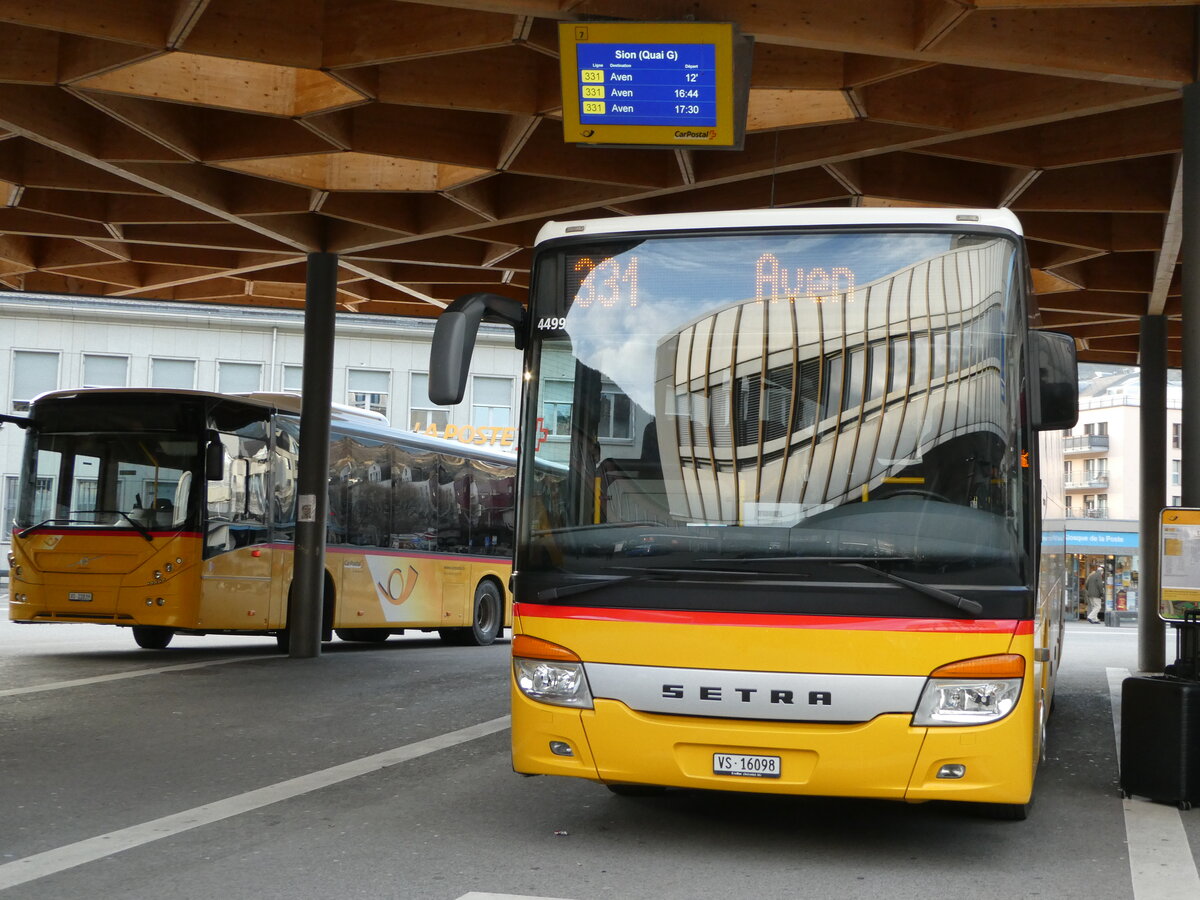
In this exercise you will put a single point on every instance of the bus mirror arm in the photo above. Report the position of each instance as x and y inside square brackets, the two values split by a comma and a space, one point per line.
[214, 458]
[454, 341]
[19, 421]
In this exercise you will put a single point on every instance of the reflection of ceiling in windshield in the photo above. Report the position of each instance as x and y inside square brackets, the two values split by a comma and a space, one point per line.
[624, 307]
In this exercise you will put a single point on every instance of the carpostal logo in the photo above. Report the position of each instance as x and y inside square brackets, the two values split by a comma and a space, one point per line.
[689, 134]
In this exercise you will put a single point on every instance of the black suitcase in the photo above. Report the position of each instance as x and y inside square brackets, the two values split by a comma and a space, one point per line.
[1160, 739]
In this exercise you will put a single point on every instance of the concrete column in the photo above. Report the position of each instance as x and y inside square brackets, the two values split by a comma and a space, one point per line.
[1153, 488]
[308, 580]
[1190, 428]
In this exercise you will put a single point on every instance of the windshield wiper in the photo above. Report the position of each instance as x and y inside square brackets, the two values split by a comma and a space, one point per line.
[137, 526]
[640, 574]
[972, 607]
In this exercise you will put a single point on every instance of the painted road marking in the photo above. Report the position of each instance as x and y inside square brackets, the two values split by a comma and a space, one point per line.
[119, 676]
[476, 895]
[1160, 857]
[49, 862]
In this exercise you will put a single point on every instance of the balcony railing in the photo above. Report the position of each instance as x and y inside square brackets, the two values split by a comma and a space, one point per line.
[1099, 513]
[1089, 481]
[1086, 443]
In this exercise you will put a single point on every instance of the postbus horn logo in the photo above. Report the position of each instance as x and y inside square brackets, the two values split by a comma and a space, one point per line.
[398, 587]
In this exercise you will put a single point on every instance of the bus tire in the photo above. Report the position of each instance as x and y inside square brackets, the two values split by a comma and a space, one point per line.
[487, 619]
[637, 790]
[152, 637]
[365, 635]
[1006, 812]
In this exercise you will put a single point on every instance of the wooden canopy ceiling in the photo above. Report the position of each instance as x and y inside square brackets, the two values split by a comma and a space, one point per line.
[197, 149]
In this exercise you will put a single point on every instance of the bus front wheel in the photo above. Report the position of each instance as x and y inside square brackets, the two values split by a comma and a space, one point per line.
[152, 637]
[487, 619]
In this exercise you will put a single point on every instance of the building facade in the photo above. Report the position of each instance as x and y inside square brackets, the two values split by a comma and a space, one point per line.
[379, 363]
[1102, 480]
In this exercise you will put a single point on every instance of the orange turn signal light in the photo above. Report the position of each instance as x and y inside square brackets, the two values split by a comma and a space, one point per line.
[1002, 665]
[527, 647]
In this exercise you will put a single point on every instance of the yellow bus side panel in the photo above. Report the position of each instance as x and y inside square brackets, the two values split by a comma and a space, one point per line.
[236, 590]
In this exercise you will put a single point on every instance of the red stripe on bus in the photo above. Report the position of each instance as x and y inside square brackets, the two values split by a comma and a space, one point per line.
[774, 620]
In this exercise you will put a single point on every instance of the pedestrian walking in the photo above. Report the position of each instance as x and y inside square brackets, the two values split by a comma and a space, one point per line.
[1094, 591]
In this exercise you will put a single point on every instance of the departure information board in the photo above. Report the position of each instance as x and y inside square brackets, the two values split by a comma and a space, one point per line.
[654, 84]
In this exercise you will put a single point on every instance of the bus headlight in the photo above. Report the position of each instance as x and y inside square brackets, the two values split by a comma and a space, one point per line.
[549, 673]
[972, 691]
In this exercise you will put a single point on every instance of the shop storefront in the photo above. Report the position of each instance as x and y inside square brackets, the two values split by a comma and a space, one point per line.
[1115, 550]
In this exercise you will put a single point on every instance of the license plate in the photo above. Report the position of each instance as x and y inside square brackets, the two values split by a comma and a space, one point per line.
[746, 766]
[80, 596]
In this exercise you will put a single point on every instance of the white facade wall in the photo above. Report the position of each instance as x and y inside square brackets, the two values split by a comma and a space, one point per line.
[209, 335]
[1119, 416]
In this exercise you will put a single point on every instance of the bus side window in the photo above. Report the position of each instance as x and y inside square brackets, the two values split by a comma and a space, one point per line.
[237, 503]
[283, 511]
[367, 477]
[414, 499]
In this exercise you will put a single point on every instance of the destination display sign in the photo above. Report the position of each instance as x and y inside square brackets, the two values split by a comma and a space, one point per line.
[654, 84]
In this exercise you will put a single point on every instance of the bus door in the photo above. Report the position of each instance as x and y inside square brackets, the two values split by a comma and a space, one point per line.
[458, 508]
[236, 578]
[285, 458]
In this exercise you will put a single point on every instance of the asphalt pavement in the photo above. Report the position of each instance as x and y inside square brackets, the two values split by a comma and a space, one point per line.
[218, 768]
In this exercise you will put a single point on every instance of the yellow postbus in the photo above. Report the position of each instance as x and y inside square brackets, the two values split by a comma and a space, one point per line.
[174, 512]
[799, 545]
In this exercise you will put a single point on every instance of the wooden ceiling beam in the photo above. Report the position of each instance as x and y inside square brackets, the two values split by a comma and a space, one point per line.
[33, 223]
[469, 81]
[1136, 45]
[371, 32]
[1095, 304]
[19, 248]
[30, 54]
[455, 137]
[1117, 187]
[546, 154]
[279, 32]
[142, 22]
[87, 57]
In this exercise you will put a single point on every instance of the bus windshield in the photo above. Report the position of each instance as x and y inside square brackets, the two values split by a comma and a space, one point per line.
[137, 477]
[801, 403]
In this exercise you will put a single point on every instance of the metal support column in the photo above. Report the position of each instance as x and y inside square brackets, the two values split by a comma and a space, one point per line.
[308, 581]
[1190, 428]
[1153, 488]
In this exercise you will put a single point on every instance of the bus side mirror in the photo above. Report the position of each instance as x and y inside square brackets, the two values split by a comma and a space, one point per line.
[214, 458]
[1056, 400]
[454, 341]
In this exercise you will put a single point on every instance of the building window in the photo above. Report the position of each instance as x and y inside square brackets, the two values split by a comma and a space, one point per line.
[422, 411]
[1177, 500]
[34, 373]
[43, 501]
[1067, 471]
[172, 373]
[238, 377]
[1176, 470]
[1095, 428]
[1176, 435]
[105, 371]
[368, 389]
[1070, 512]
[491, 401]
[616, 415]
[293, 379]
[557, 401]
[10, 505]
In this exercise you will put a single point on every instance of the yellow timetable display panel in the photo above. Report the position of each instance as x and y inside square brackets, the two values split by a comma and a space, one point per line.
[1179, 571]
[654, 84]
